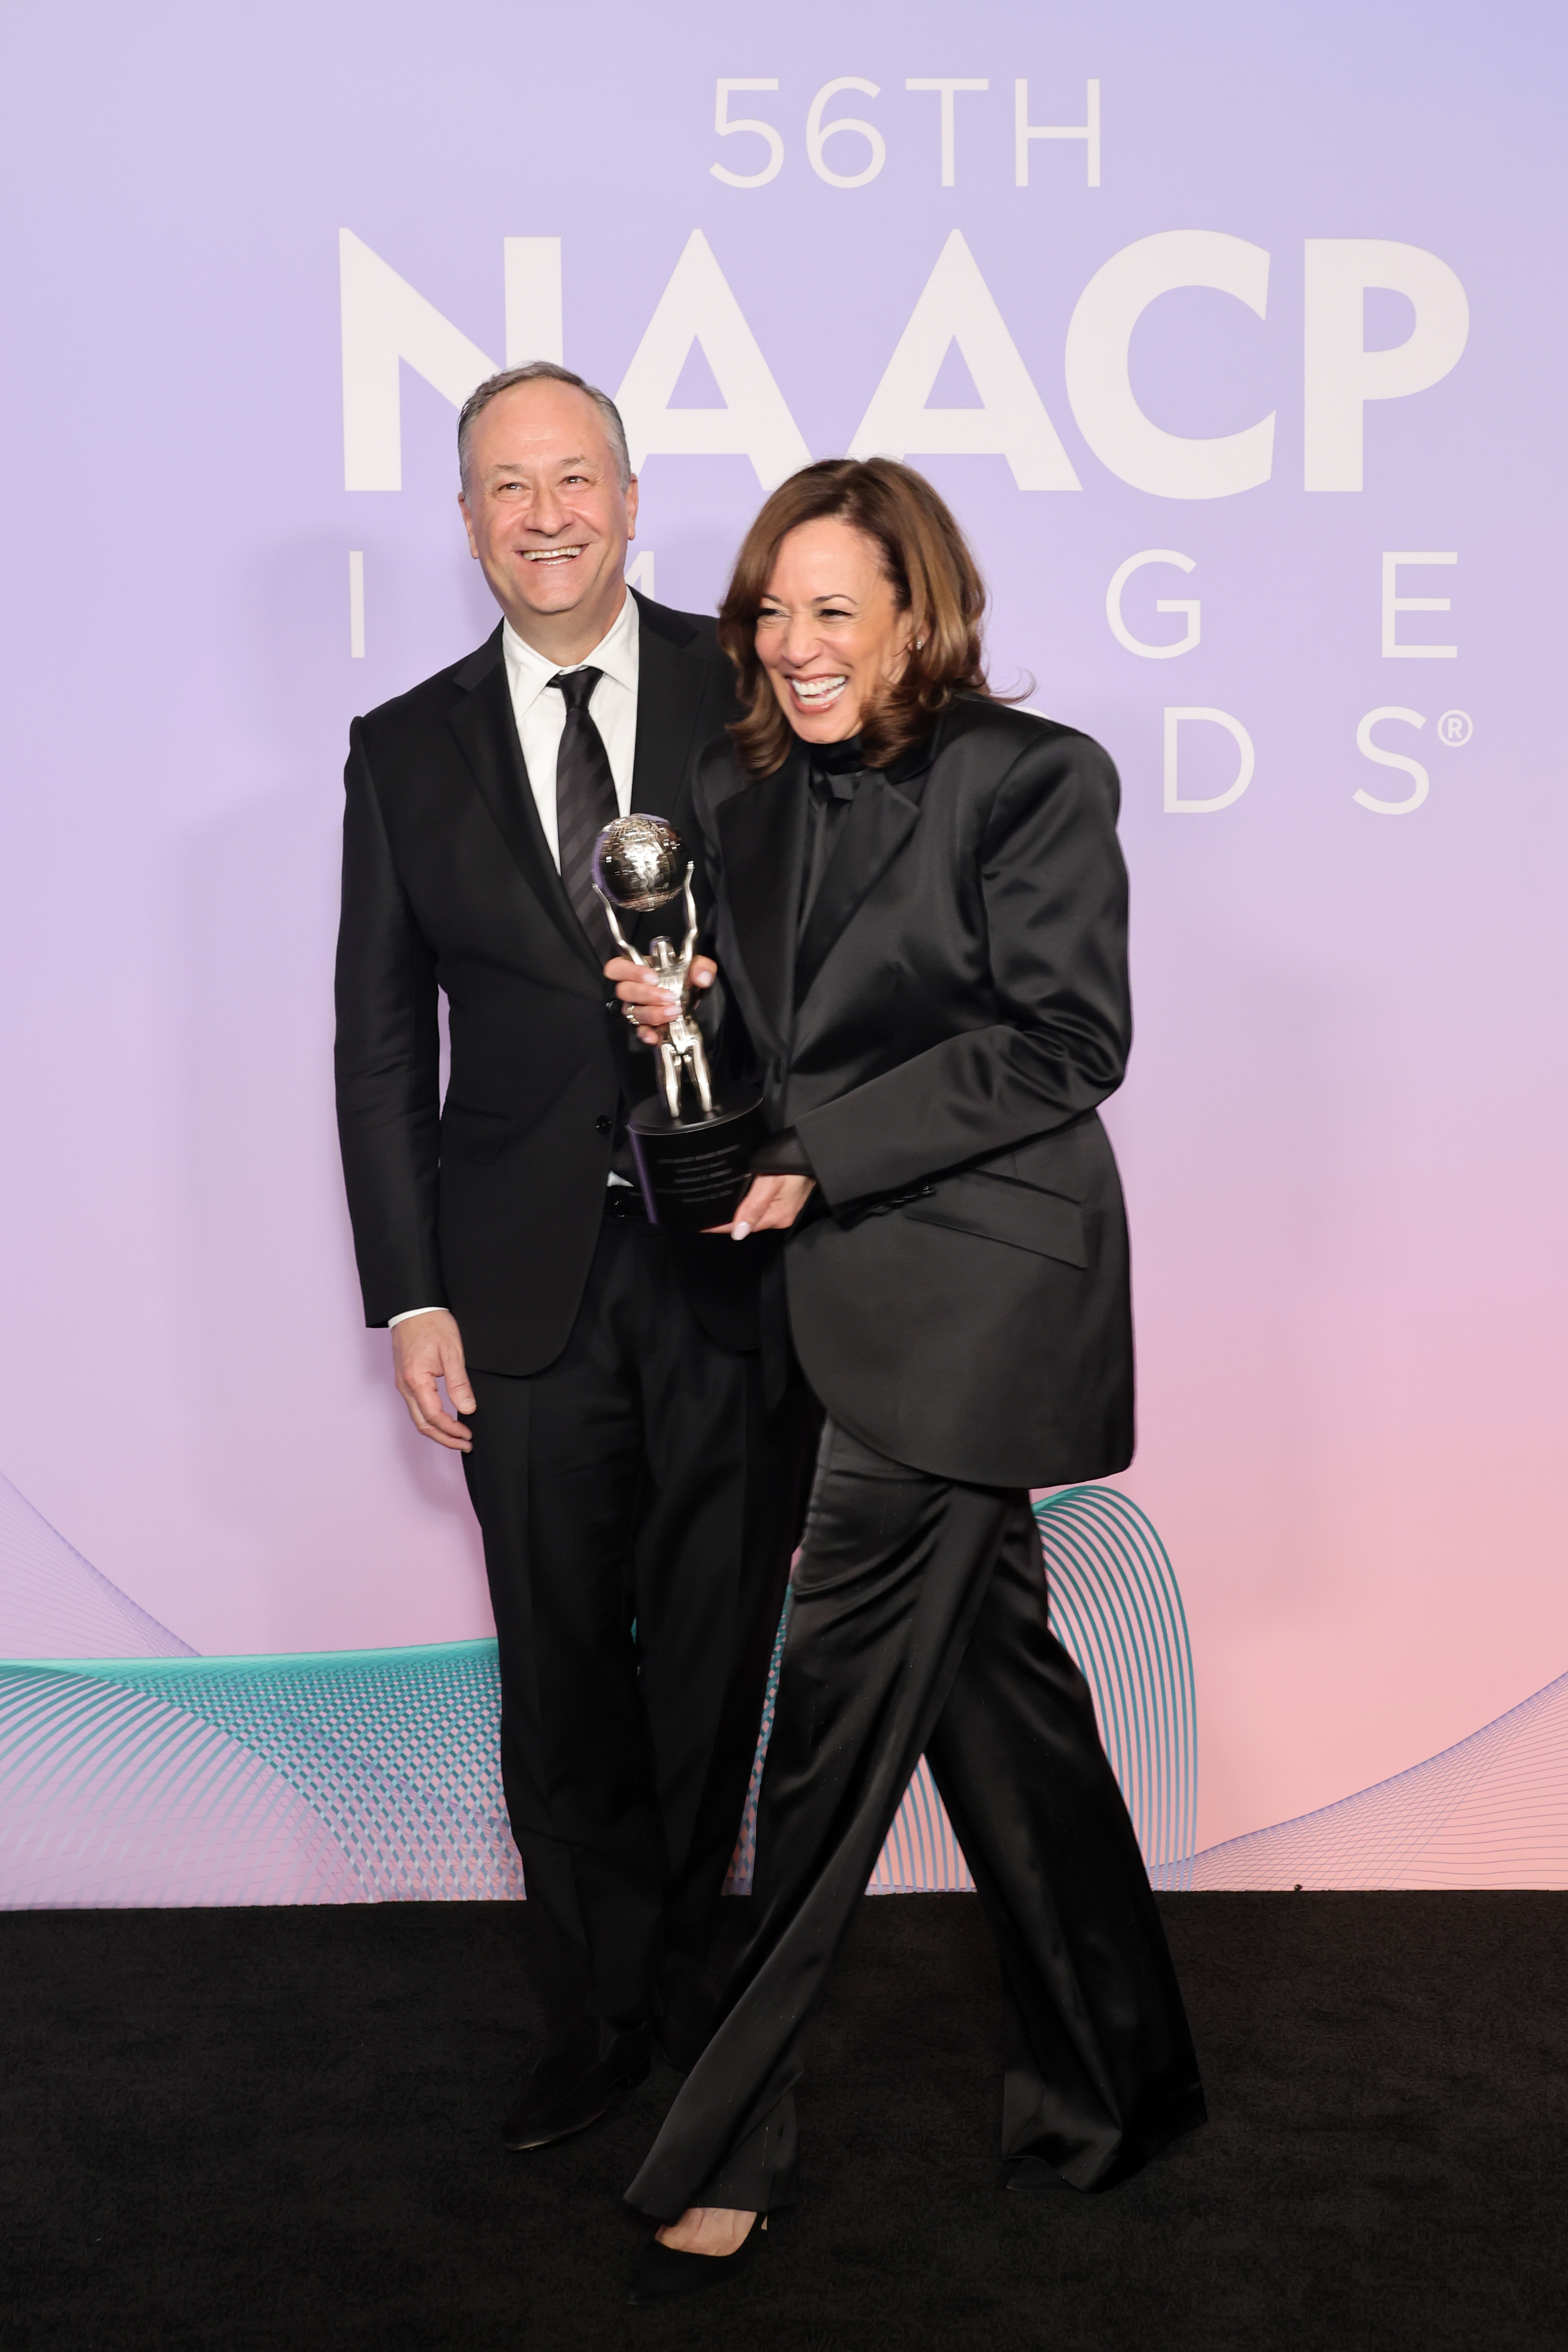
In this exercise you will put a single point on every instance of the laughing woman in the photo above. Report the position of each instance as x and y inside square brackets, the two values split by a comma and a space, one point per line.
[922, 917]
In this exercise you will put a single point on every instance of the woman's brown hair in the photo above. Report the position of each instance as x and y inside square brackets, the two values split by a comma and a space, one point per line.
[932, 575]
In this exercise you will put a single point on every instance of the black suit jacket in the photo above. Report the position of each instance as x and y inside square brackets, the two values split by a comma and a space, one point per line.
[492, 1204]
[939, 1037]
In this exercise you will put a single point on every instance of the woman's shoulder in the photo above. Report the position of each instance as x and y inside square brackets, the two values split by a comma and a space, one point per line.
[1001, 734]
[719, 773]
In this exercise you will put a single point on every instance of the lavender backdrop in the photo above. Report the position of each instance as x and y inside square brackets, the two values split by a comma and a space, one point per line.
[1343, 1133]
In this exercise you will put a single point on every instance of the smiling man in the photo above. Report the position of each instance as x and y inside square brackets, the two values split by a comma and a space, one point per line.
[638, 1483]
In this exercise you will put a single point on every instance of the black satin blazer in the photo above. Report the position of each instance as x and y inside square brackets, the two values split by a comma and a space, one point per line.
[939, 1038]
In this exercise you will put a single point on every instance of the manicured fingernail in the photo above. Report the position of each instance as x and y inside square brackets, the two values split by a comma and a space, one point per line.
[705, 980]
[740, 1232]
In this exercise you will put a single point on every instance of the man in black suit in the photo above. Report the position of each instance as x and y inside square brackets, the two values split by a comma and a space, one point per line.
[638, 1479]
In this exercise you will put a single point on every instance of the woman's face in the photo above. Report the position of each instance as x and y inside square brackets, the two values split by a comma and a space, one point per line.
[830, 634]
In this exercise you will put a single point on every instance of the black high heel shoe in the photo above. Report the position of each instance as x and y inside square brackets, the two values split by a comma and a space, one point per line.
[664, 2270]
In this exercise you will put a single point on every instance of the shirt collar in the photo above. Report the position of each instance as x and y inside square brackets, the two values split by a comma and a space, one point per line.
[837, 769]
[615, 654]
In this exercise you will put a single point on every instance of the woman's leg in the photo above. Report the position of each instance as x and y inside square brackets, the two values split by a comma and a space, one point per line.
[892, 1571]
[1101, 2072]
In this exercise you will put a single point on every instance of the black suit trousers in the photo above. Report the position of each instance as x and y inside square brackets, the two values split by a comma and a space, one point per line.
[639, 1509]
[920, 1624]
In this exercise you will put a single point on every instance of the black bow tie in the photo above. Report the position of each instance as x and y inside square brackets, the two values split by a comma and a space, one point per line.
[837, 767]
[845, 758]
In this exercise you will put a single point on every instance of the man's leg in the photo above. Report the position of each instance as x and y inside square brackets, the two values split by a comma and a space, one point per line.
[719, 1518]
[555, 1476]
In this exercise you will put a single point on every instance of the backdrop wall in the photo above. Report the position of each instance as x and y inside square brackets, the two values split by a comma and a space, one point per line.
[1234, 336]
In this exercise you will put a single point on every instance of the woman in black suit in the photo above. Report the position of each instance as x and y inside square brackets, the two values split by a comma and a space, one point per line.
[922, 920]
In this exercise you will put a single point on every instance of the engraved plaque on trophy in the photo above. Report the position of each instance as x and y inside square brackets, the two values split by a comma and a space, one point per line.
[693, 1145]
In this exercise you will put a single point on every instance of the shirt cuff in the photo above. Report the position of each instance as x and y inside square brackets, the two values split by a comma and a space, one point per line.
[783, 1154]
[392, 1321]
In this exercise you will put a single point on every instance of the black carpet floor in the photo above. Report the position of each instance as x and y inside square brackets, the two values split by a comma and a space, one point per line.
[230, 2129]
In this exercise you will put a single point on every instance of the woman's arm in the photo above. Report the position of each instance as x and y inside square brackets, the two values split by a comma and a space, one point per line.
[1055, 894]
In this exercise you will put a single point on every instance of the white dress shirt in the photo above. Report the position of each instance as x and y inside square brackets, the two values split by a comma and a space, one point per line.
[539, 710]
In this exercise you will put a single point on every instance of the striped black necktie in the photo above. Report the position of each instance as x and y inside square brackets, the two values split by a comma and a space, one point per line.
[585, 803]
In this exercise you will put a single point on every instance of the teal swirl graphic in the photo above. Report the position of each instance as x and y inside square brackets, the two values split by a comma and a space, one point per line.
[372, 1776]
[1116, 1609]
[1487, 1811]
[353, 1777]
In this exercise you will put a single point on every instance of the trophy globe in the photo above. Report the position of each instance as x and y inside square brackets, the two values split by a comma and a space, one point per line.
[693, 1163]
[639, 863]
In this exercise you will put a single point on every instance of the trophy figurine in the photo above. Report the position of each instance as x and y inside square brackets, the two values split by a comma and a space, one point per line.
[695, 1164]
[634, 861]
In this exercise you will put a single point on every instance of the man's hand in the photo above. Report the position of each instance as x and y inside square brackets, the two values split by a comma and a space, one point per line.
[427, 1348]
[655, 1007]
[770, 1206]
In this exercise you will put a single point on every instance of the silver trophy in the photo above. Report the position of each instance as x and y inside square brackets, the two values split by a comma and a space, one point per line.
[636, 867]
[695, 1167]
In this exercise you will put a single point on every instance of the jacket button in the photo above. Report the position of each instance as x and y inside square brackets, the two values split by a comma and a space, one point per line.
[602, 1124]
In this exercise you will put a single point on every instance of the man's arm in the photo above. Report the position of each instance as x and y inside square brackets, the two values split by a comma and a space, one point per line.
[388, 1059]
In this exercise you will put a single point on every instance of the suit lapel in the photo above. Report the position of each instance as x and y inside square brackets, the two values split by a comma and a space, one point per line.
[762, 828]
[487, 734]
[879, 824]
[670, 688]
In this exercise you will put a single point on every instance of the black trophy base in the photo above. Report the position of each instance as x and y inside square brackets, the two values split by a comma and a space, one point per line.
[695, 1170]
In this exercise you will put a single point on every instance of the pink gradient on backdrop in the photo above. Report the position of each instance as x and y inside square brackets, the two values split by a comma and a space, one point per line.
[1343, 1133]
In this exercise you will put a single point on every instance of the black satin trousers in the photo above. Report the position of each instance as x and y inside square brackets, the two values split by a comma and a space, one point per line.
[920, 1626]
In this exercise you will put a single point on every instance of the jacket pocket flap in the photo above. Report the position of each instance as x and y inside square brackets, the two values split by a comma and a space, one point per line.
[1020, 1215]
[1056, 1162]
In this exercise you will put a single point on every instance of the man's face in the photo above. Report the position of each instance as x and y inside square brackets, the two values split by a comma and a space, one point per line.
[546, 514]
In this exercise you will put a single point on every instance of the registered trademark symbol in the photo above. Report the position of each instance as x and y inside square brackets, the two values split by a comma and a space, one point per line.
[1453, 728]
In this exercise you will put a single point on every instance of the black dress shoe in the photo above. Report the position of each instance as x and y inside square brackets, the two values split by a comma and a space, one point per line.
[663, 2271]
[579, 2079]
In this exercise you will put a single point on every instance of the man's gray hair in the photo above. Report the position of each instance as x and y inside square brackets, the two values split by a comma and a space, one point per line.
[542, 372]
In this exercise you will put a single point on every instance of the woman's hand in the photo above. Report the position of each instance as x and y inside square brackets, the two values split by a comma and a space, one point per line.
[770, 1206]
[656, 1008]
